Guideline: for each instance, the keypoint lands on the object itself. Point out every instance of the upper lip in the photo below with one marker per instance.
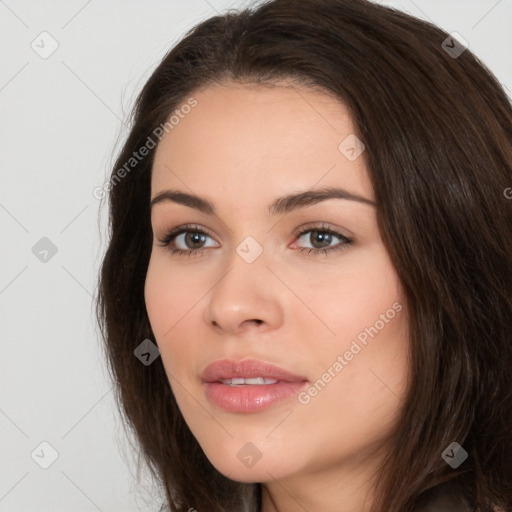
(248, 368)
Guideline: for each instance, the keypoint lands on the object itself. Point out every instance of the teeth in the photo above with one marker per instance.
(240, 381)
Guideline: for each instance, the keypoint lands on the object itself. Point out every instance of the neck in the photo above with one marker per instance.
(337, 490)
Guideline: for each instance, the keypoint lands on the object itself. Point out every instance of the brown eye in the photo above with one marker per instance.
(193, 239)
(185, 240)
(321, 240)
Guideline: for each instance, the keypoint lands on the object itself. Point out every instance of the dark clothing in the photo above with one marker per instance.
(448, 497)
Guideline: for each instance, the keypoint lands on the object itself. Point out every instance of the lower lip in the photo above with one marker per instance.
(251, 398)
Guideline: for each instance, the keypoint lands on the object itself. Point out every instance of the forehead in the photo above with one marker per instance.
(254, 138)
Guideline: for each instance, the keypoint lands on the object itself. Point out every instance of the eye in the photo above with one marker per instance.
(191, 238)
(321, 237)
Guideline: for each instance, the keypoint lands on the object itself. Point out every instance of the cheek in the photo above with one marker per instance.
(172, 301)
(169, 296)
(364, 398)
(367, 315)
(355, 297)
(165, 306)
(159, 297)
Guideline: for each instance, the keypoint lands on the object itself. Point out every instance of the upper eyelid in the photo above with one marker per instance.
(314, 225)
(299, 232)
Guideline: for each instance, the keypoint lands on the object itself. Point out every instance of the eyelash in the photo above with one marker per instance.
(175, 232)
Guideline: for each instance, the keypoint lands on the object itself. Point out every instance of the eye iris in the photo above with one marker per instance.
(321, 236)
(192, 238)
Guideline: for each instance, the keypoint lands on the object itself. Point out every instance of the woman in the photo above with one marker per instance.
(310, 220)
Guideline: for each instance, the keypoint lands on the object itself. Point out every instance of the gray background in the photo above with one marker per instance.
(62, 118)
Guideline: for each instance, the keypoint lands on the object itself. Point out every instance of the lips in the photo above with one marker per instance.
(249, 386)
(248, 369)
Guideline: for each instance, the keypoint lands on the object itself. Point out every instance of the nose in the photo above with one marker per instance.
(247, 297)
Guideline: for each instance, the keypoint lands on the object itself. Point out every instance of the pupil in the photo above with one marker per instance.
(322, 237)
(194, 238)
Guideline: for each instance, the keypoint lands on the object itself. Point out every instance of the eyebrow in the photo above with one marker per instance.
(281, 205)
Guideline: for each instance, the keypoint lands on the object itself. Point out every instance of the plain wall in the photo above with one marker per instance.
(62, 117)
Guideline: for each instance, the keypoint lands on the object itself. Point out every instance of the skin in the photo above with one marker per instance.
(242, 147)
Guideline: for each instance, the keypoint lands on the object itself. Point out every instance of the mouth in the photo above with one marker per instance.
(248, 371)
(249, 385)
(241, 381)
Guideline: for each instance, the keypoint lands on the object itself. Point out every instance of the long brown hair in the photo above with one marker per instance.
(437, 128)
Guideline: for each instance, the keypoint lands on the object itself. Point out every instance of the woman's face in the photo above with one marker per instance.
(326, 306)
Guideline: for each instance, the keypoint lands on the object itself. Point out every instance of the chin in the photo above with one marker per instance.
(247, 471)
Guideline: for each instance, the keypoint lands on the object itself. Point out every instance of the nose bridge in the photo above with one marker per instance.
(245, 271)
(250, 250)
(244, 291)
